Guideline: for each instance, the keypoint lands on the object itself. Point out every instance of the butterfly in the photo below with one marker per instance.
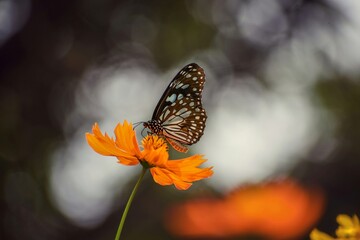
(179, 116)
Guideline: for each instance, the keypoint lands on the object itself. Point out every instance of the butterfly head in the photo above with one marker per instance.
(154, 126)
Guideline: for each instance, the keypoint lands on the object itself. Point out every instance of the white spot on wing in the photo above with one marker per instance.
(171, 98)
(185, 86)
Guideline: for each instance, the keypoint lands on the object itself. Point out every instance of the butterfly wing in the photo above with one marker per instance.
(180, 111)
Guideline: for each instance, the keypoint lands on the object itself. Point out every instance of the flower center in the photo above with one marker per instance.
(154, 142)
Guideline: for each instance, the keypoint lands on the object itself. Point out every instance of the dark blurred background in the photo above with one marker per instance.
(282, 96)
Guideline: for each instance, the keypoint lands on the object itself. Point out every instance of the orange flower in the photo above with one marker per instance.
(276, 210)
(154, 155)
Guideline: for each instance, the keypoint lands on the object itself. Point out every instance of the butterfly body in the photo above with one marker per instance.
(179, 116)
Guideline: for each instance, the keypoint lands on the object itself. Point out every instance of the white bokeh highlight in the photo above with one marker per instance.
(252, 135)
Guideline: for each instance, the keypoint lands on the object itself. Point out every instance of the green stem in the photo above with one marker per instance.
(128, 204)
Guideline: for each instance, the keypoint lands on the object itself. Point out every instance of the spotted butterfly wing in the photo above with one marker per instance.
(179, 116)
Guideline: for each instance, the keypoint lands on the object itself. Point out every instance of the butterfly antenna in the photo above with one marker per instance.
(137, 124)
(142, 132)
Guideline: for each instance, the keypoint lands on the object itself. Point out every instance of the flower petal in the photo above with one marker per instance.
(126, 138)
(345, 221)
(348, 227)
(105, 145)
(164, 177)
(155, 151)
(317, 235)
(180, 172)
(102, 144)
(187, 169)
(160, 176)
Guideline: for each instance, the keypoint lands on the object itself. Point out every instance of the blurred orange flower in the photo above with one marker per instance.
(349, 229)
(154, 155)
(277, 210)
